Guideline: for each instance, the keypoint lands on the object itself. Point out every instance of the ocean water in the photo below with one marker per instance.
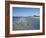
(26, 23)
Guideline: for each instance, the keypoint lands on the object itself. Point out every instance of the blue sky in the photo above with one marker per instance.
(21, 11)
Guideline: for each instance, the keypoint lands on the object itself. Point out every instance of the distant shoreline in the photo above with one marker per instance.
(35, 17)
(26, 16)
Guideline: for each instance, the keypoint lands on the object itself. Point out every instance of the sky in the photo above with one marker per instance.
(22, 11)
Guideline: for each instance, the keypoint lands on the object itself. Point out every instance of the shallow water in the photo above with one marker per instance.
(26, 23)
